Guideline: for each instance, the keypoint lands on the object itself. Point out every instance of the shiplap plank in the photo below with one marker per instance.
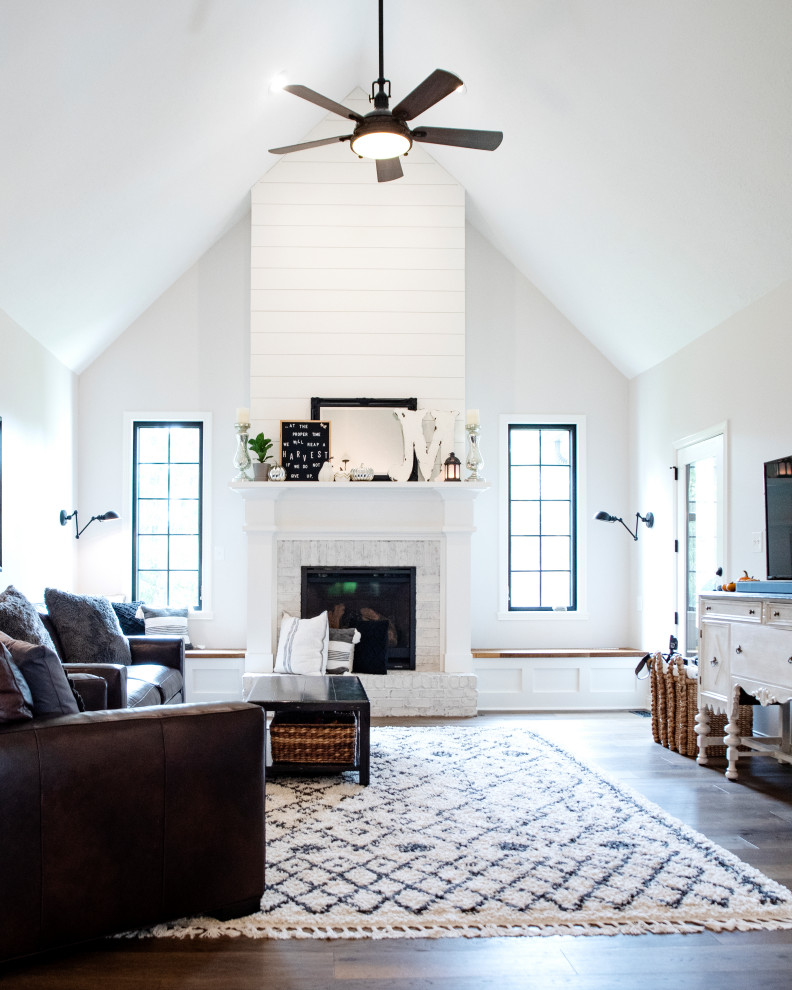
(304, 387)
(293, 169)
(366, 194)
(361, 366)
(352, 215)
(342, 279)
(357, 299)
(395, 259)
(357, 287)
(357, 237)
(417, 344)
(364, 321)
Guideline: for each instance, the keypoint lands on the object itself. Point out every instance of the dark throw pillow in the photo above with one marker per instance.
(16, 701)
(371, 653)
(130, 624)
(45, 676)
(87, 628)
(20, 620)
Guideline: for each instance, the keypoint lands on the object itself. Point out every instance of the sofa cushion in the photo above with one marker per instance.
(142, 693)
(165, 679)
(87, 628)
(45, 676)
(130, 624)
(16, 701)
(19, 619)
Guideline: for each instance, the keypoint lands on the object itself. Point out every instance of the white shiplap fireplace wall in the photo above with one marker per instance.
(358, 289)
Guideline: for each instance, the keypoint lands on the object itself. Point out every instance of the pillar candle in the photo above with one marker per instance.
(472, 418)
(242, 415)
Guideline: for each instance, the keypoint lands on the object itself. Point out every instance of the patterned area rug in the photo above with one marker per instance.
(482, 832)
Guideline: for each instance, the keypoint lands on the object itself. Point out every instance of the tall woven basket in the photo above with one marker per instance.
(675, 706)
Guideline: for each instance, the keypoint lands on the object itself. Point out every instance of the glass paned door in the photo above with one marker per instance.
(701, 543)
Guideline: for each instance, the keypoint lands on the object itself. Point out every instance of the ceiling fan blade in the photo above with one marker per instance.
(323, 101)
(308, 144)
(459, 137)
(433, 89)
(388, 169)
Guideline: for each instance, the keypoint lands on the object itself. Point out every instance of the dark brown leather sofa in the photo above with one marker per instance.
(154, 676)
(114, 820)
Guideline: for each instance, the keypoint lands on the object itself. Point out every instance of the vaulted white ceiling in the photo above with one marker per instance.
(643, 183)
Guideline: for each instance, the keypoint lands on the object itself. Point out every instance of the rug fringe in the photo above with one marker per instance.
(250, 927)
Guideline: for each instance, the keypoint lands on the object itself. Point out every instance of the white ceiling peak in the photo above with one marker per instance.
(642, 184)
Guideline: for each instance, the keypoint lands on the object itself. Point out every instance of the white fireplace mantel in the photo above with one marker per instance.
(351, 511)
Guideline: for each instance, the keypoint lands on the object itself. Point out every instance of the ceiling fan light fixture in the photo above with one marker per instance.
(384, 143)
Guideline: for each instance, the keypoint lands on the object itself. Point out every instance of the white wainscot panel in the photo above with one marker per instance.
(558, 683)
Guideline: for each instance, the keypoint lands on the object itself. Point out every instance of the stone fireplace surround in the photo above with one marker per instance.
(426, 525)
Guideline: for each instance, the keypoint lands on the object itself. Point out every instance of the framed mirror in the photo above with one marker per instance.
(364, 431)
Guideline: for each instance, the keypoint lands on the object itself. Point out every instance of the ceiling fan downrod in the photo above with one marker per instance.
(380, 98)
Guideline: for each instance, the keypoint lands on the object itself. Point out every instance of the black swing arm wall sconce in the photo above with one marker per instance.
(648, 519)
(65, 517)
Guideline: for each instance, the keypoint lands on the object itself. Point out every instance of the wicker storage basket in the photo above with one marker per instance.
(675, 706)
(313, 737)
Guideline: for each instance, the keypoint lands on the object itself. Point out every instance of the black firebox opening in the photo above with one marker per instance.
(356, 594)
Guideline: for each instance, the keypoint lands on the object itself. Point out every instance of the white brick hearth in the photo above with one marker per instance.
(424, 525)
(423, 555)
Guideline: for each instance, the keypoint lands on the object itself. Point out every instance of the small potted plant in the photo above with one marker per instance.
(260, 445)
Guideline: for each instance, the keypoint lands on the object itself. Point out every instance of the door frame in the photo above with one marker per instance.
(680, 597)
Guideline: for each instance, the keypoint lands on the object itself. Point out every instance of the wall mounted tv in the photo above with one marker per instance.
(778, 518)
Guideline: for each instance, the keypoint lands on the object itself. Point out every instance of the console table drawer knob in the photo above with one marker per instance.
(751, 611)
(738, 650)
(714, 661)
(776, 615)
(789, 659)
(708, 608)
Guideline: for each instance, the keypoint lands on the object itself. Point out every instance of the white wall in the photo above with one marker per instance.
(357, 287)
(38, 406)
(523, 356)
(187, 353)
(739, 373)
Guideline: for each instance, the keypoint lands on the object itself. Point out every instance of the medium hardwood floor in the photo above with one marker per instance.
(752, 817)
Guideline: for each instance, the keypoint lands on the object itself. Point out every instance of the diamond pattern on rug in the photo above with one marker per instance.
(471, 831)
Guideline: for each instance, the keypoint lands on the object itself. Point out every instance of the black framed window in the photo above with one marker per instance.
(542, 505)
(167, 513)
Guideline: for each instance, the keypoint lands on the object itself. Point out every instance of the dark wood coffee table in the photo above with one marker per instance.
(297, 693)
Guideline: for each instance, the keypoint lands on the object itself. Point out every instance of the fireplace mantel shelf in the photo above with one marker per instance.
(271, 491)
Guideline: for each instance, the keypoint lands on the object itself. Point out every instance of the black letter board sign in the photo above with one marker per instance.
(305, 446)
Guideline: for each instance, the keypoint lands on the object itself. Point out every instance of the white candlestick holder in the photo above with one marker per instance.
(242, 456)
(474, 461)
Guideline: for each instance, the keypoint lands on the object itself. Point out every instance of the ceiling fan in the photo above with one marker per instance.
(383, 134)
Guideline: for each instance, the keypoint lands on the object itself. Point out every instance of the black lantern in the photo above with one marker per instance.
(451, 468)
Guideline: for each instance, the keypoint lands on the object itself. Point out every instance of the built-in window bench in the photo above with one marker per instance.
(213, 675)
(559, 680)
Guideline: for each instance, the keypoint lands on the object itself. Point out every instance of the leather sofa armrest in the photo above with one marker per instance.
(91, 688)
(165, 805)
(167, 651)
(114, 673)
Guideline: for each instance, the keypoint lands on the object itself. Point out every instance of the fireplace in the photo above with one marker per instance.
(355, 594)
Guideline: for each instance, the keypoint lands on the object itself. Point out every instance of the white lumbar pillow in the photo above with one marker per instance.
(302, 645)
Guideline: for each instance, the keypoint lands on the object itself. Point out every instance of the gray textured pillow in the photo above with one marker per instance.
(16, 701)
(20, 620)
(87, 628)
(45, 676)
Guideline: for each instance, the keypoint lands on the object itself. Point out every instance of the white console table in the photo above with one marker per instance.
(745, 643)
